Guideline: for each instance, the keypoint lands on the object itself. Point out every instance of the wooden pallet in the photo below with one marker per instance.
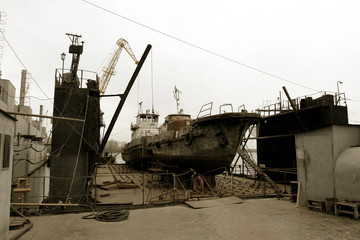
(347, 208)
(316, 205)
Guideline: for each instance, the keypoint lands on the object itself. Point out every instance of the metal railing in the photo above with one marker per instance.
(206, 109)
(82, 76)
(285, 105)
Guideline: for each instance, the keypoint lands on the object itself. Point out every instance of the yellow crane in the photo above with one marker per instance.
(109, 69)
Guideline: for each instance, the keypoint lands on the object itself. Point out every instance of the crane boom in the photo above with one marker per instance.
(109, 69)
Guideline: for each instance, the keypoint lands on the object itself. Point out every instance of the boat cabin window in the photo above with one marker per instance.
(148, 119)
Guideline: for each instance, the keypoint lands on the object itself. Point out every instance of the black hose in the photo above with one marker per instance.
(23, 231)
(109, 216)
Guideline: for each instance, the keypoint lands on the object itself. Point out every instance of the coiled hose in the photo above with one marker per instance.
(109, 216)
(29, 225)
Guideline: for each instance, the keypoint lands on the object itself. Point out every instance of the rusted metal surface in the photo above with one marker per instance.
(205, 144)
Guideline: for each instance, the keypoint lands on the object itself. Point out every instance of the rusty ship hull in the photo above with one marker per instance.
(207, 145)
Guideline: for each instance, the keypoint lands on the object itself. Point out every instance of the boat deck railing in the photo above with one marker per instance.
(282, 106)
(206, 109)
(82, 75)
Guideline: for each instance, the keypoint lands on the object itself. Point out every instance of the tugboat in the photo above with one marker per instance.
(206, 144)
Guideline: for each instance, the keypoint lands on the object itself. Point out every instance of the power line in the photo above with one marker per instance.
(40, 99)
(73, 128)
(18, 58)
(198, 47)
(354, 100)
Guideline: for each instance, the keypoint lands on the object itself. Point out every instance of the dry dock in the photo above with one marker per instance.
(143, 193)
(252, 219)
(118, 184)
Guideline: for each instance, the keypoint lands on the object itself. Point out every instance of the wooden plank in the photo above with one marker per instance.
(354, 209)
(112, 182)
(298, 196)
(316, 204)
(205, 203)
(113, 186)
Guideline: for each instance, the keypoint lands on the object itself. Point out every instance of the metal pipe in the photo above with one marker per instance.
(21, 190)
(112, 95)
(338, 92)
(44, 116)
(274, 136)
(122, 100)
(295, 109)
(143, 189)
(47, 204)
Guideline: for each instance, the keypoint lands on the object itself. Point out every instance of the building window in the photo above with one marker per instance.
(3, 95)
(6, 151)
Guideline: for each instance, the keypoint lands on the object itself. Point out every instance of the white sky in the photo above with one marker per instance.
(311, 43)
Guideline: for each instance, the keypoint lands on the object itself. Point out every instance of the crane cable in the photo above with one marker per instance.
(152, 84)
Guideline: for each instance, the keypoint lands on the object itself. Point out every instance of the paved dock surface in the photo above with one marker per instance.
(252, 219)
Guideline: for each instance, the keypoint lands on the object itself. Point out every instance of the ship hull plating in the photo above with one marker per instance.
(207, 145)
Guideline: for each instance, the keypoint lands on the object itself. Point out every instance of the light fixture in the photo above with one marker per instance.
(338, 92)
(63, 55)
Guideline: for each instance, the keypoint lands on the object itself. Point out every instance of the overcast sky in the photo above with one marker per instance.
(311, 44)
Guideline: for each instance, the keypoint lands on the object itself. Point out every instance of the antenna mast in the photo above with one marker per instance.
(177, 98)
(76, 50)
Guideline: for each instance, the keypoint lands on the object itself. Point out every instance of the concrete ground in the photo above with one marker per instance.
(253, 219)
(148, 184)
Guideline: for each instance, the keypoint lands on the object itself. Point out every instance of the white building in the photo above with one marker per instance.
(7, 127)
(23, 141)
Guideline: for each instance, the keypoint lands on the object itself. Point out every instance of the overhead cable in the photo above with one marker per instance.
(196, 46)
(18, 58)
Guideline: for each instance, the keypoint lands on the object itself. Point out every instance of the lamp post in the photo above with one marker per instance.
(63, 55)
(338, 92)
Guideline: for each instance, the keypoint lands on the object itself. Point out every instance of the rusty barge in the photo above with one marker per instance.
(206, 144)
